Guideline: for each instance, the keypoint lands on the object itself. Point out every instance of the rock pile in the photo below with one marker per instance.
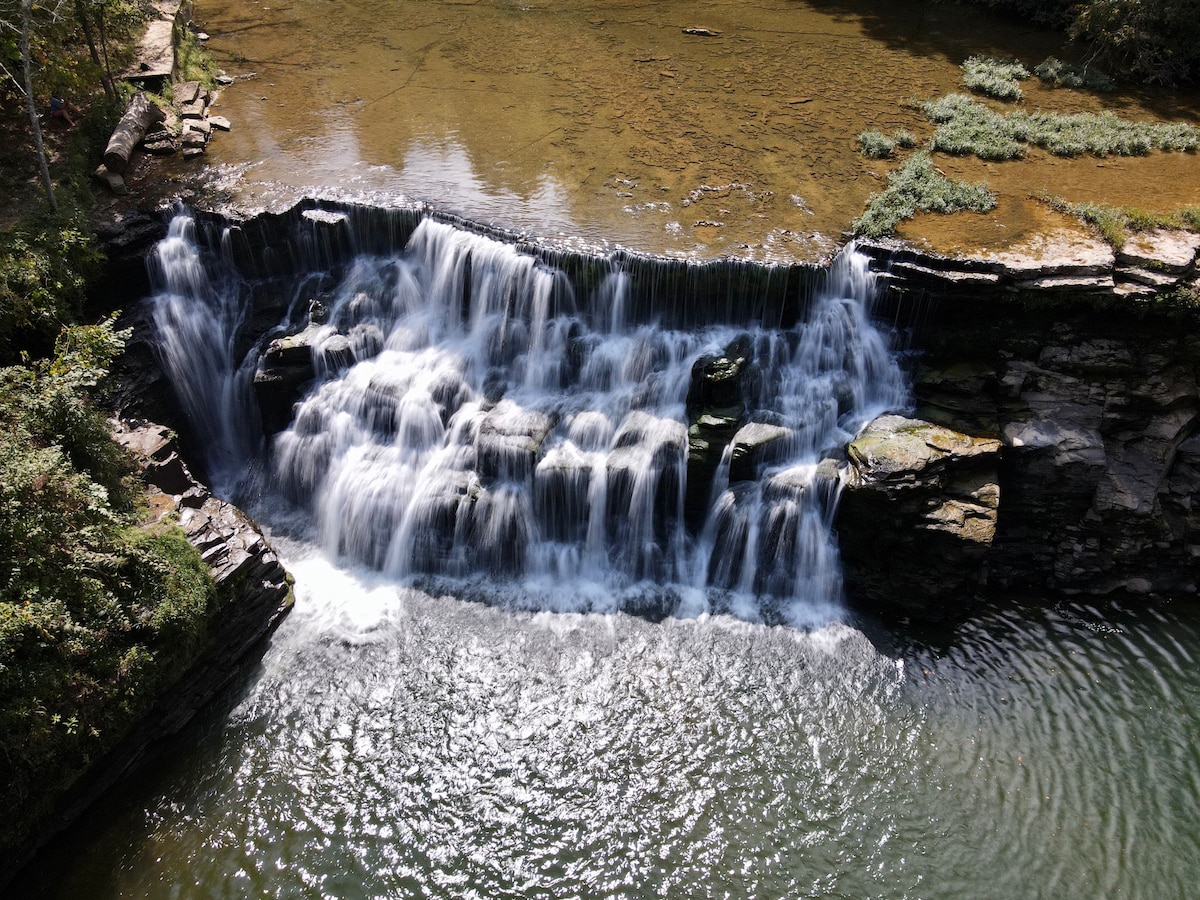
(189, 126)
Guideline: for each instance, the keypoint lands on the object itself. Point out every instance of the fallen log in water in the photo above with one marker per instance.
(129, 132)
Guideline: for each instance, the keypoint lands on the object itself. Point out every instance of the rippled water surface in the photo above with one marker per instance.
(395, 744)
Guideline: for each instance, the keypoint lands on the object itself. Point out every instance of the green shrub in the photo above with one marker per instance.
(45, 264)
(1061, 74)
(994, 77)
(905, 138)
(919, 187)
(966, 126)
(97, 616)
(876, 145)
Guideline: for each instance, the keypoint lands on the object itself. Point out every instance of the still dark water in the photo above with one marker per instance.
(396, 744)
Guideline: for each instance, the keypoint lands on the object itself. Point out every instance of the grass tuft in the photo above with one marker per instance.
(993, 77)
(966, 126)
(876, 145)
(1115, 223)
(919, 187)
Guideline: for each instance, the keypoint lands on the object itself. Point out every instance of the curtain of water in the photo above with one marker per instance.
(197, 314)
(493, 427)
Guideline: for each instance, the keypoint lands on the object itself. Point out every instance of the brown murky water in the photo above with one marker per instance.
(616, 123)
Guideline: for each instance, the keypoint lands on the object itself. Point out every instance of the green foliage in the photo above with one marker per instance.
(876, 145)
(1115, 223)
(45, 264)
(191, 59)
(919, 187)
(1061, 74)
(994, 77)
(966, 126)
(1157, 41)
(97, 616)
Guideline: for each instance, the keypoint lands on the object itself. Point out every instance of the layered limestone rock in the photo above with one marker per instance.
(918, 516)
(1098, 412)
(1055, 266)
(253, 590)
(716, 410)
(243, 564)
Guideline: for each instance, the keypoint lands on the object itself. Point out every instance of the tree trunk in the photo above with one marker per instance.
(129, 132)
(104, 47)
(81, 14)
(31, 102)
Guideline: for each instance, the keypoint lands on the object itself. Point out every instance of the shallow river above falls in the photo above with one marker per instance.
(395, 744)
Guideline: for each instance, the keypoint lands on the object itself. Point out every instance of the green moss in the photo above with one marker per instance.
(919, 187)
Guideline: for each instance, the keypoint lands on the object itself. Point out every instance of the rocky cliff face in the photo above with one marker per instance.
(255, 593)
(1092, 401)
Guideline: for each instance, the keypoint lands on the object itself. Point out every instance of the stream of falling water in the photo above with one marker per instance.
(397, 742)
(474, 419)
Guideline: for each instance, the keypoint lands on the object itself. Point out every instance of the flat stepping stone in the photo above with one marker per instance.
(193, 110)
(186, 92)
(1167, 251)
(219, 122)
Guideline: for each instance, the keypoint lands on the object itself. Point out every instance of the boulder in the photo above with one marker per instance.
(509, 442)
(918, 516)
(755, 445)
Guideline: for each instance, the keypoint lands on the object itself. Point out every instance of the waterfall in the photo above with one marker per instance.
(499, 429)
(197, 316)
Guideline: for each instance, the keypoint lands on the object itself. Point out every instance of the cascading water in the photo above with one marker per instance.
(490, 426)
(197, 311)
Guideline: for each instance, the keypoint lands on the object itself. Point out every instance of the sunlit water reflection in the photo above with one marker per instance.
(396, 744)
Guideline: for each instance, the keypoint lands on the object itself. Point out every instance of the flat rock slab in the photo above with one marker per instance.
(186, 92)
(155, 55)
(1166, 251)
(193, 110)
(897, 448)
(1056, 253)
(219, 122)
